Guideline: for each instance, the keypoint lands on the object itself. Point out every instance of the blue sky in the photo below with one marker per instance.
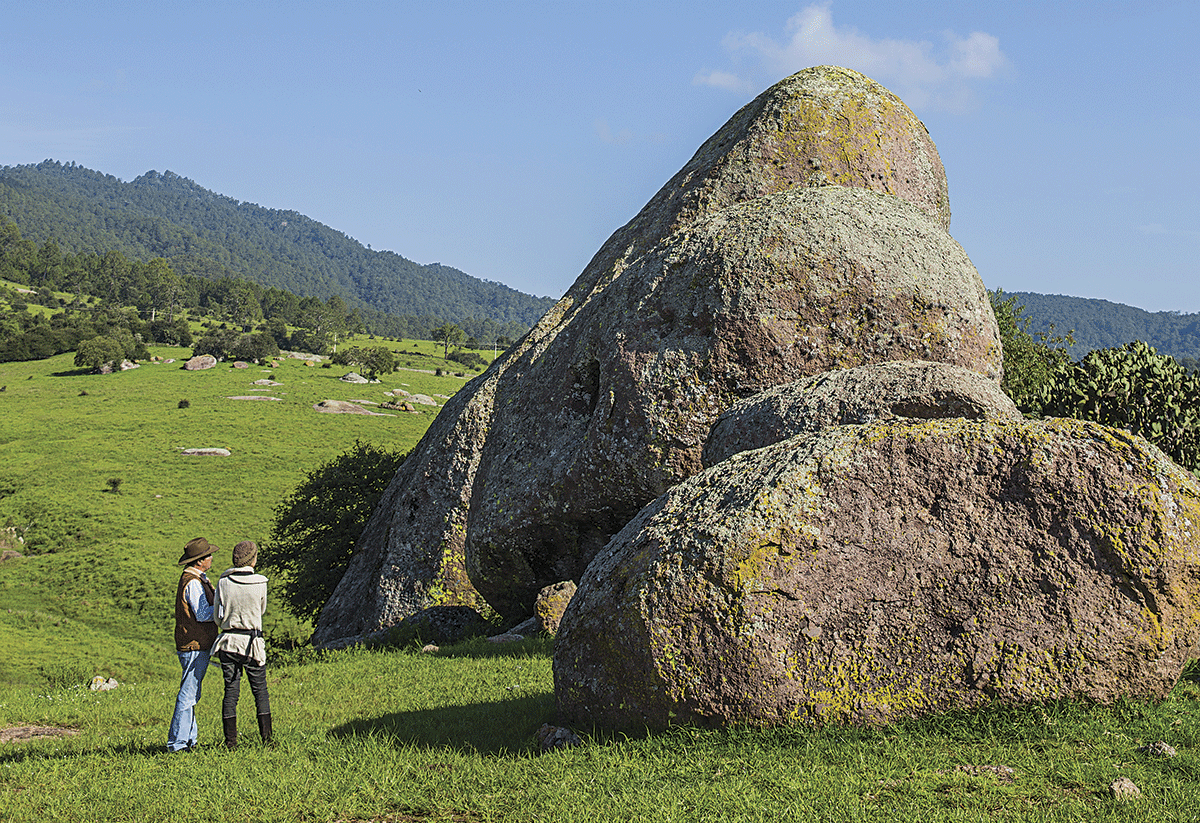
(510, 139)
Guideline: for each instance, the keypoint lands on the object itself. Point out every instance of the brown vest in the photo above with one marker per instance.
(190, 634)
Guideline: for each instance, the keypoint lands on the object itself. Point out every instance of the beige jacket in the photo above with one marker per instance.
(240, 604)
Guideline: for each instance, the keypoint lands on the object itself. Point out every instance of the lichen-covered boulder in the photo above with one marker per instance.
(821, 127)
(617, 408)
(872, 572)
(410, 554)
(915, 389)
(551, 602)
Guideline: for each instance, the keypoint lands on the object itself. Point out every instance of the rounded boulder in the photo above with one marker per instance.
(872, 572)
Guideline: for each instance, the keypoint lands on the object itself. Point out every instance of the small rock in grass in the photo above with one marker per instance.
(429, 648)
(507, 637)
(1158, 749)
(100, 684)
(1124, 789)
(556, 737)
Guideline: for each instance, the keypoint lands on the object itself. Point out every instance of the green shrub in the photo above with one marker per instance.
(470, 359)
(315, 529)
(99, 352)
(1029, 361)
(1134, 388)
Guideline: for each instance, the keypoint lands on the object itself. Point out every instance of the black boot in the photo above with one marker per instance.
(264, 729)
(230, 726)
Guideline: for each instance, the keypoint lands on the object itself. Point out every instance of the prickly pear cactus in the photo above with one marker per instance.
(1132, 387)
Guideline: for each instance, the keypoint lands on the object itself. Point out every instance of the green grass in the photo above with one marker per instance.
(397, 735)
(96, 585)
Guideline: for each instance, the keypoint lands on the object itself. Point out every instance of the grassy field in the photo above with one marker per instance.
(401, 736)
(93, 594)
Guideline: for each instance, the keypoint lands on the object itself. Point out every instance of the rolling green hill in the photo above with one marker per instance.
(1101, 324)
(200, 232)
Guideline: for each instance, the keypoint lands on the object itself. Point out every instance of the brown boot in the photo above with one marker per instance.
(264, 729)
(230, 726)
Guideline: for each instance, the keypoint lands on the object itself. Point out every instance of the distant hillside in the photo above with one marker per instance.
(203, 233)
(1101, 324)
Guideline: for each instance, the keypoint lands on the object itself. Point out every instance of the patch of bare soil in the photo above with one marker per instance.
(17, 734)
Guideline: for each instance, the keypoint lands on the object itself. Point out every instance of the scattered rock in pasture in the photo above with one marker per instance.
(404, 407)
(206, 452)
(109, 368)
(914, 389)
(1124, 789)
(200, 362)
(550, 738)
(429, 648)
(265, 382)
(20, 734)
(344, 407)
(10, 554)
(253, 397)
(551, 602)
(867, 573)
(506, 637)
(240, 364)
(422, 399)
(102, 684)
(354, 377)
(1159, 748)
(1004, 774)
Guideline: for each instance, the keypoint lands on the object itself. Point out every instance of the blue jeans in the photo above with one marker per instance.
(183, 732)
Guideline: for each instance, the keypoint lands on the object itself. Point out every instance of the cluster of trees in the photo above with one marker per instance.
(147, 303)
(373, 361)
(1131, 386)
(203, 235)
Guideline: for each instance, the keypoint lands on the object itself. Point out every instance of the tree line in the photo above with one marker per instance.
(205, 235)
(150, 299)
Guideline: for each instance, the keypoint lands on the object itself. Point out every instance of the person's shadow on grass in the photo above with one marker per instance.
(486, 728)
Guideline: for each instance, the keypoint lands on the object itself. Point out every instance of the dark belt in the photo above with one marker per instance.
(253, 633)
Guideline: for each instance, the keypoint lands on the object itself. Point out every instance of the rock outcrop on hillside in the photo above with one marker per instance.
(865, 573)
(807, 234)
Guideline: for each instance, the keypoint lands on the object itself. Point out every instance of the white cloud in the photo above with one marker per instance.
(922, 73)
(606, 134)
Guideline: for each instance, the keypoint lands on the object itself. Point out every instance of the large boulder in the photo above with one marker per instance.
(914, 389)
(822, 127)
(410, 555)
(871, 572)
(616, 409)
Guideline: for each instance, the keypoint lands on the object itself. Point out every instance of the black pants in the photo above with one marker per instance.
(231, 668)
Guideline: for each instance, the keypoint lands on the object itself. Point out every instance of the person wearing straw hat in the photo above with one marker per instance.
(241, 601)
(195, 633)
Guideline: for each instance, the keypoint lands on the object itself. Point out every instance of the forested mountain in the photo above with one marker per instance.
(205, 234)
(1101, 324)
